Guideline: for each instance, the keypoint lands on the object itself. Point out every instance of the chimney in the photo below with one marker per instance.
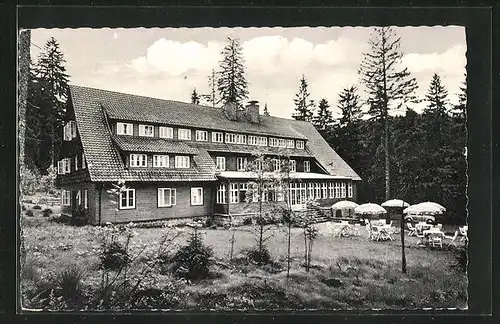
(230, 109)
(252, 111)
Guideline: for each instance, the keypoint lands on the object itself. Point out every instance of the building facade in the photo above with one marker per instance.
(183, 160)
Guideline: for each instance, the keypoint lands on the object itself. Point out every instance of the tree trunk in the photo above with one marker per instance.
(403, 256)
(289, 246)
(387, 160)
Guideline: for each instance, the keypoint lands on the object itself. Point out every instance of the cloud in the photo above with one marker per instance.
(451, 62)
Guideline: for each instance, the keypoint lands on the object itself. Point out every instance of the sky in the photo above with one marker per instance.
(168, 63)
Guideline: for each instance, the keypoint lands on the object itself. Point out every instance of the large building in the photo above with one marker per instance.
(184, 160)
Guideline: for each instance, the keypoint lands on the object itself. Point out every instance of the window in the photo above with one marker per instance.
(69, 131)
(342, 190)
(317, 191)
(84, 161)
(184, 134)
(196, 196)
(230, 138)
(201, 136)
(243, 192)
(252, 140)
(124, 129)
(217, 137)
(241, 163)
(297, 194)
(349, 190)
(258, 165)
(220, 163)
(307, 166)
(233, 193)
(310, 191)
(64, 166)
(182, 161)
(337, 190)
(86, 198)
(300, 144)
(330, 190)
(290, 143)
(146, 130)
(281, 142)
(66, 197)
(138, 160)
(324, 193)
(166, 132)
(76, 162)
(276, 165)
(78, 197)
(293, 166)
(160, 161)
(166, 197)
(241, 139)
(221, 194)
(262, 141)
(273, 141)
(127, 199)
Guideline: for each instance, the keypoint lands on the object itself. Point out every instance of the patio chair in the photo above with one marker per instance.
(356, 229)
(436, 240)
(453, 239)
(421, 238)
(412, 229)
(390, 231)
(369, 230)
(375, 234)
(337, 231)
(463, 232)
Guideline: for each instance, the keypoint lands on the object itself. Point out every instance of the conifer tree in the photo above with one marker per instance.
(350, 106)
(231, 83)
(324, 117)
(212, 97)
(389, 85)
(266, 112)
(195, 97)
(303, 105)
(437, 96)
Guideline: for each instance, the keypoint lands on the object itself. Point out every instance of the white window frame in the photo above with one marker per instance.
(230, 138)
(233, 193)
(180, 161)
(331, 193)
(342, 190)
(67, 165)
(76, 162)
(300, 145)
(307, 166)
(172, 197)
(324, 190)
(293, 166)
(201, 136)
(349, 189)
(78, 197)
(61, 167)
(337, 190)
(317, 190)
(241, 139)
(161, 161)
(241, 163)
(273, 142)
(262, 141)
(138, 160)
(220, 163)
(127, 192)
(281, 142)
(217, 137)
(186, 134)
(86, 198)
(276, 165)
(221, 194)
(66, 197)
(252, 140)
(84, 161)
(310, 191)
(166, 132)
(143, 132)
(122, 128)
(197, 196)
(290, 143)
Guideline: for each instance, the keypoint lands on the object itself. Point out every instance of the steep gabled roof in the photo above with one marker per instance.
(93, 106)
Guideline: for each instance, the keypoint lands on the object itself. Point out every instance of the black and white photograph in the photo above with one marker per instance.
(243, 168)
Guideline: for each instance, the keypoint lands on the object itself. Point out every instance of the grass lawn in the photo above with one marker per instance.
(347, 273)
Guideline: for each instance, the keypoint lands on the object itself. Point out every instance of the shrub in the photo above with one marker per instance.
(461, 258)
(248, 221)
(259, 256)
(29, 213)
(193, 260)
(29, 181)
(61, 219)
(114, 257)
(37, 207)
(23, 207)
(80, 216)
(69, 282)
(47, 212)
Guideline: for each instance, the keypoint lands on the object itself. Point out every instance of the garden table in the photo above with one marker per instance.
(431, 232)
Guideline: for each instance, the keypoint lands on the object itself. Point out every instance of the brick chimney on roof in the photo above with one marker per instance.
(230, 109)
(252, 111)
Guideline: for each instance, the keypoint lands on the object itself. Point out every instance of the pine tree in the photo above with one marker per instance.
(211, 98)
(231, 83)
(48, 95)
(303, 106)
(266, 112)
(349, 104)
(195, 97)
(437, 96)
(389, 86)
(324, 117)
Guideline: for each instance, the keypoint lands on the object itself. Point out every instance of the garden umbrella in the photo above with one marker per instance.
(344, 204)
(369, 209)
(395, 203)
(425, 208)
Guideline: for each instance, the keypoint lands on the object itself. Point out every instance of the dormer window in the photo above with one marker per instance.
(300, 144)
(217, 137)
(262, 141)
(273, 142)
(307, 166)
(281, 142)
(166, 132)
(69, 131)
(241, 139)
(146, 130)
(184, 134)
(124, 129)
(182, 161)
(201, 136)
(138, 160)
(160, 161)
(64, 166)
(230, 138)
(290, 143)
